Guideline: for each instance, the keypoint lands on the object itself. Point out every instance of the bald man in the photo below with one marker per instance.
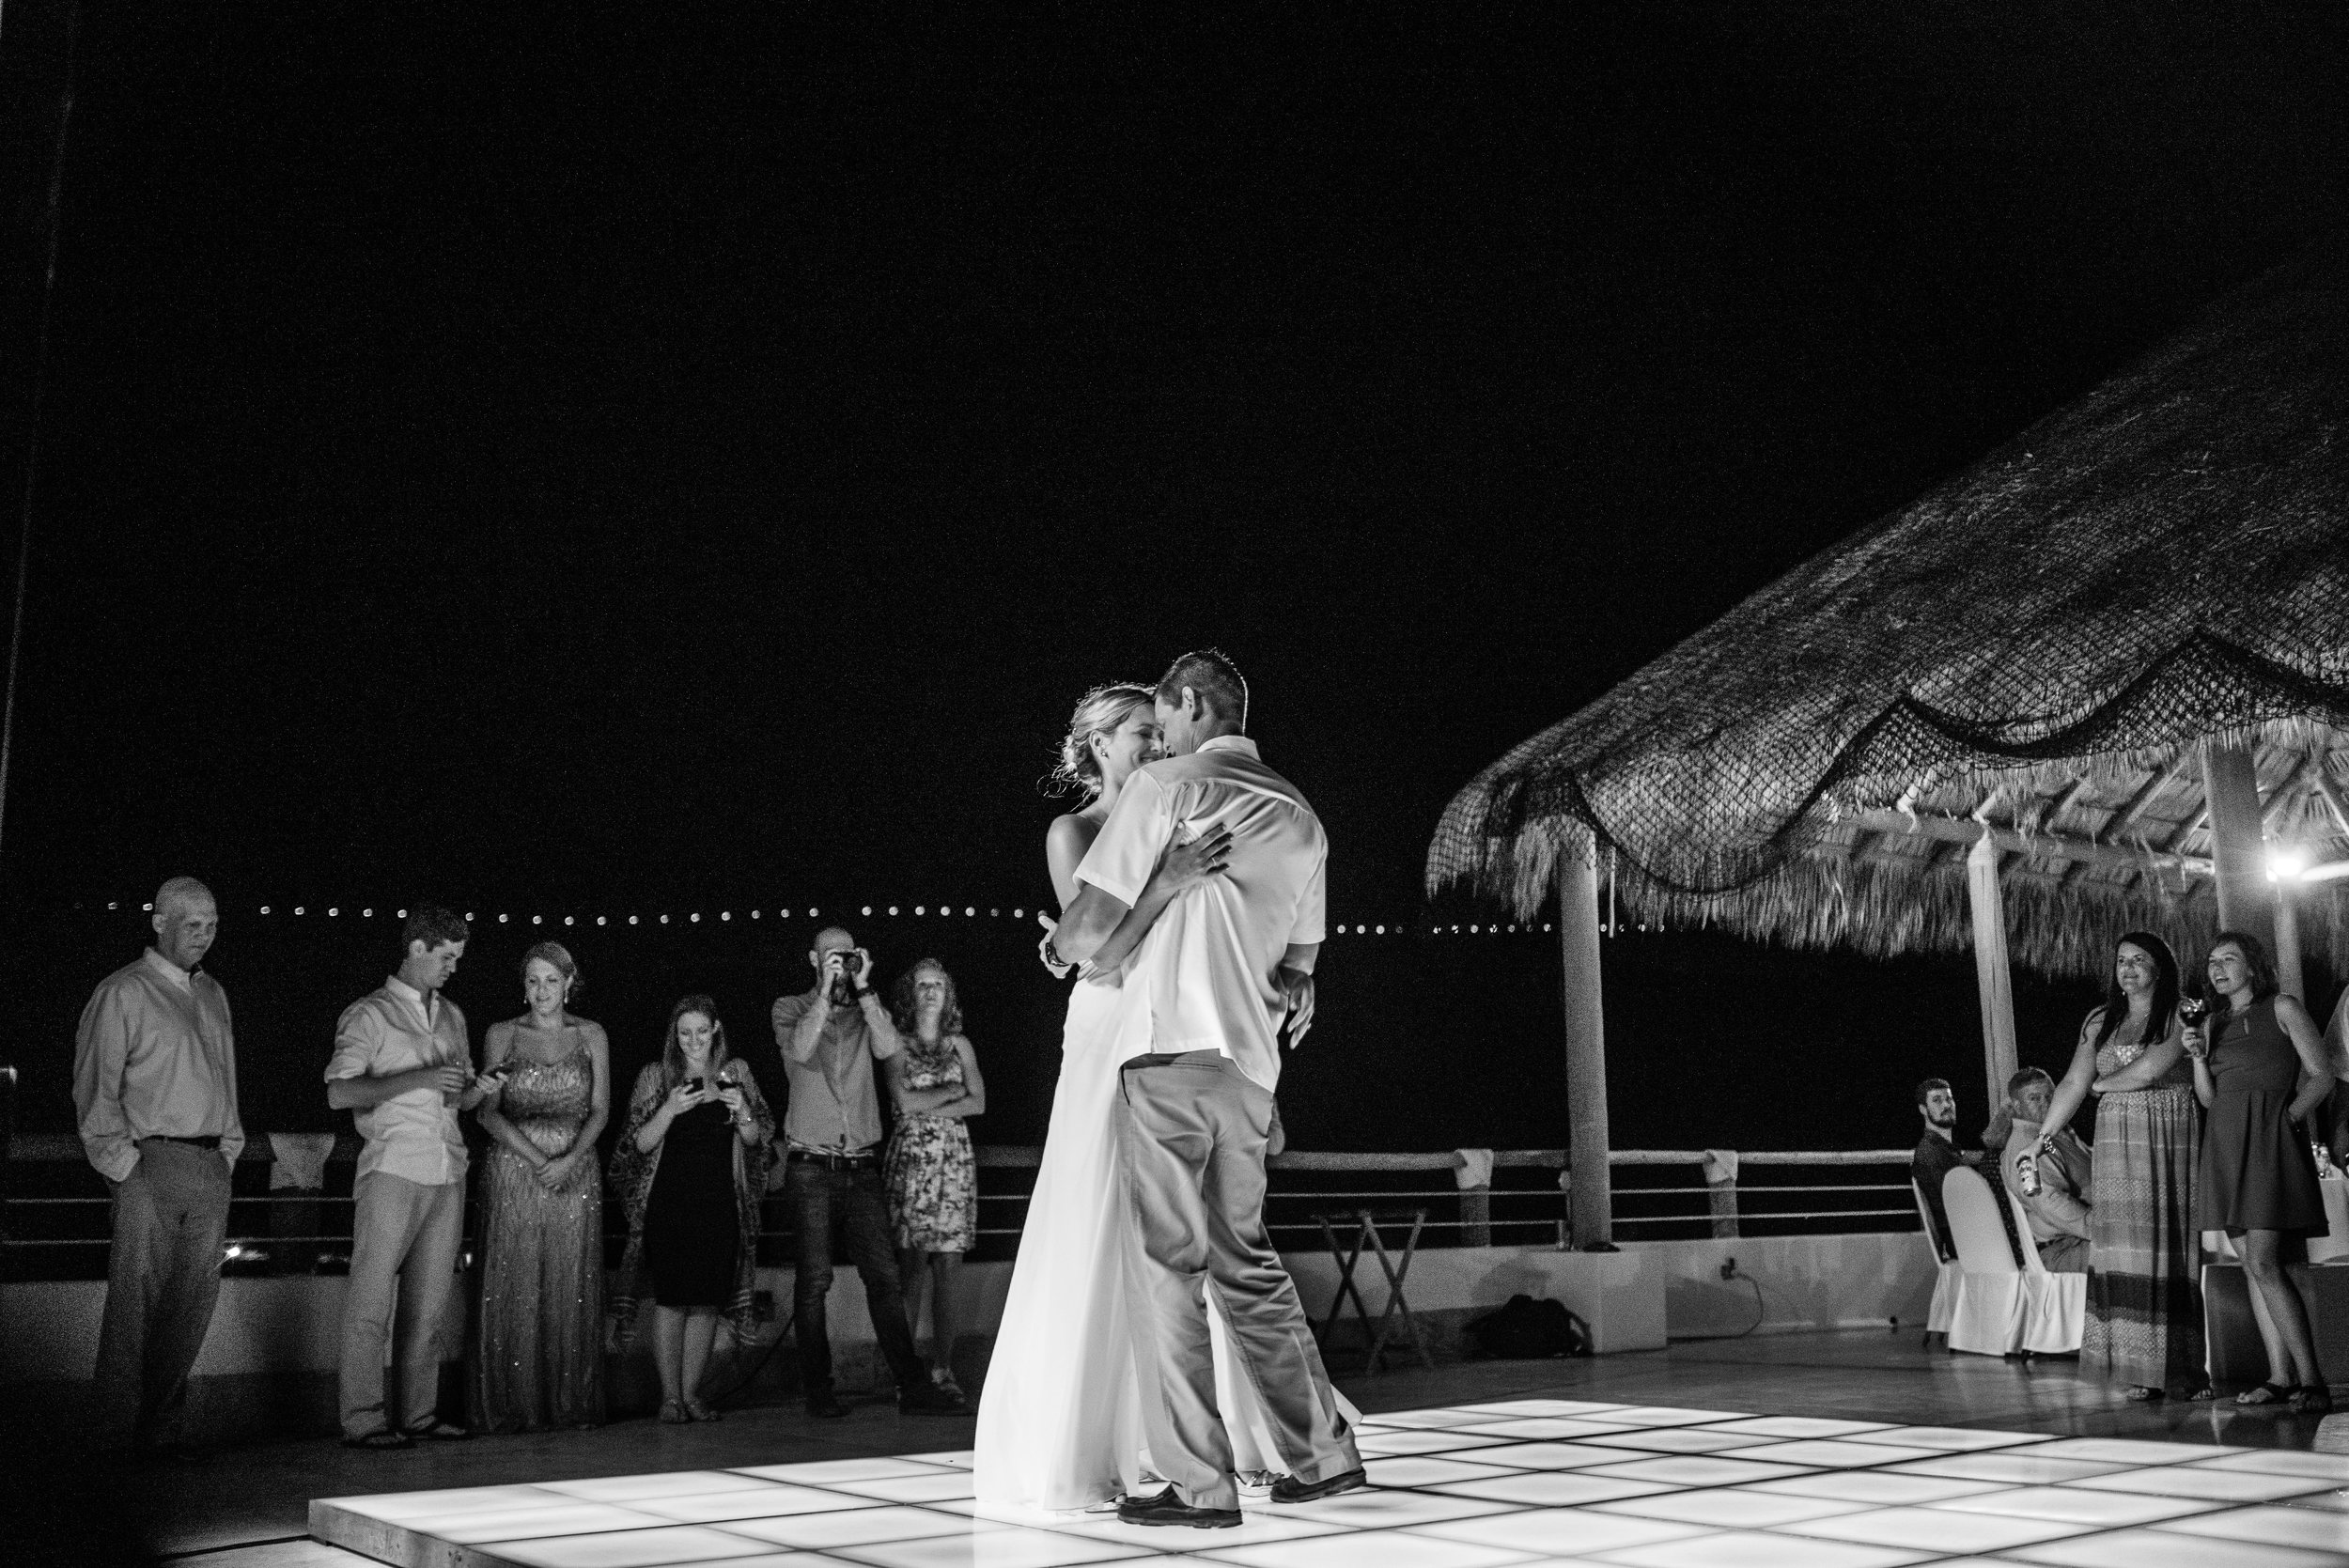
(155, 1090)
(829, 1037)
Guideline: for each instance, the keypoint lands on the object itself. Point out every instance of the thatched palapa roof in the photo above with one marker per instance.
(2039, 644)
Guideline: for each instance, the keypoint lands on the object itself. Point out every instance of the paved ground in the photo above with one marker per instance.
(248, 1508)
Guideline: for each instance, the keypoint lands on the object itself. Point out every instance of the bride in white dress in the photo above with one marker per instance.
(1059, 1427)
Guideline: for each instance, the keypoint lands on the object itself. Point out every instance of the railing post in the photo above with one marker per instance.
(1721, 1181)
(1476, 1217)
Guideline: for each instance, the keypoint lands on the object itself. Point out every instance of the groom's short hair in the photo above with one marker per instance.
(1217, 681)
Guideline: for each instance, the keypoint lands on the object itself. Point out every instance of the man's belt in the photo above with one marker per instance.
(208, 1140)
(867, 1161)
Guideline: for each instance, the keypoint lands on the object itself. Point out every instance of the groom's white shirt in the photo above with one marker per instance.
(1208, 970)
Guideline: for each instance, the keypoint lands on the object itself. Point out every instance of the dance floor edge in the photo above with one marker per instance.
(1677, 1504)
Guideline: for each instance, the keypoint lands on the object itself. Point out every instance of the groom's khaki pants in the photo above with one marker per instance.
(1192, 1137)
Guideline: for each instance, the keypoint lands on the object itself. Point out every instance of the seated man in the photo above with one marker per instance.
(1937, 1155)
(2058, 1215)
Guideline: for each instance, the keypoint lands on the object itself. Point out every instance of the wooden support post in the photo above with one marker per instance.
(2238, 846)
(1590, 1204)
(2288, 945)
(1476, 1217)
(1993, 981)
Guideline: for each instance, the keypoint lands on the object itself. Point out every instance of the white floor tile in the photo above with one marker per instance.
(1954, 1439)
(452, 1503)
(2195, 1481)
(860, 1527)
(1553, 1488)
(2336, 1501)
(934, 1486)
(1382, 1510)
(1676, 1439)
(1550, 1456)
(579, 1518)
(1367, 1551)
(1696, 1469)
(1423, 1471)
(2324, 1466)
(1544, 1407)
(757, 1502)
(2130, 1451)
(2154, 1548)
(1840, 1454)
(1753, 1549)
(1934, 1529)
(1730, 1508)
(828, 1472)
(1427, 1440)
(675, 1483)
(1550, 1427)
(1801, 1426)
(2278, 1527)
(1879, 1488)
(995, 1548)
(1558, 1531)
(2077, 1505)
(1256, 1525)
(960, 1458)
(2016, 1469)
(1672, 1415)
(632, 1548)
(1426, 1418)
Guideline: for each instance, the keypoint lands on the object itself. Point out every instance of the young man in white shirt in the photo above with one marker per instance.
(403, 1064)
(1225, 964)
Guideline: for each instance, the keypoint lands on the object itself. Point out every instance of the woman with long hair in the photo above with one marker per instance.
(689, 1168)
(541, 1348)
(1058, 1418)
(930, 1174)
(2144, 1324)
(2260, 1069)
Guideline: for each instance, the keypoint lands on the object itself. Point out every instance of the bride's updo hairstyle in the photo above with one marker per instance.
(1099, 711)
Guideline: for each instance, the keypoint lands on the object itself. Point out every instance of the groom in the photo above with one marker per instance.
(1221, 969)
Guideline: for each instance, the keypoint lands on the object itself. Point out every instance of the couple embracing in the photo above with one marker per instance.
(1151, 1338)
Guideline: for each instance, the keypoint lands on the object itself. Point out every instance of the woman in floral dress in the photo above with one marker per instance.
(933, 1181)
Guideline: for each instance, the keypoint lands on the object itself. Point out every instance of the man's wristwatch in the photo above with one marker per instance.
(863, 992)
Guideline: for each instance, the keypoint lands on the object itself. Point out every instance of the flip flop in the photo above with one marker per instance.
(2266, 1393)
(382, 1441)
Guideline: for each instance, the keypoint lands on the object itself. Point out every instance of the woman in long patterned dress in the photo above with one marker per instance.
(541, 1348)
(2260, 1069)
(2144, 1326)
(689, 1167)
(932, 1179)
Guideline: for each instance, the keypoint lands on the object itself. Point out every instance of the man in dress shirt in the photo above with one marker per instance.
(155, 1092)
(403, 1063)
(829, 1037)
(1225, 963)
(2058, 1215)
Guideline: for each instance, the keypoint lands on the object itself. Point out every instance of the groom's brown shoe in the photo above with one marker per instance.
(1168, 1509)
(1289, 1489)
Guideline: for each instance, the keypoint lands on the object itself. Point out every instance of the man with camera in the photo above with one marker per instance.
(829, 1037)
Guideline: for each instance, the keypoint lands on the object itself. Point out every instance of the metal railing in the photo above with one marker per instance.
(54, 1224)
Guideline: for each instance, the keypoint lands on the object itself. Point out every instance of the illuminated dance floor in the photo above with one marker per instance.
(1519, 1481)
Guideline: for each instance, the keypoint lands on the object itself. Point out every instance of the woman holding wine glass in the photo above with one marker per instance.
(2260, 1070)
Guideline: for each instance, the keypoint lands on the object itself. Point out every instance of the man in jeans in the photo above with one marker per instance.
(403, 1062)
(831, 1036)
(155, 1093)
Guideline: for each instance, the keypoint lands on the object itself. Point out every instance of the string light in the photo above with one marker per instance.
(147, 909)
(536, 920)
(567, 920)
(264, 908)
(332, 911)
(866, 911)
(725, 914)
(969, 911)
(664, 920)
(631, 920)
(919, 907)
(893, 908)
(598, 920)
(297, 909)
(501, 917)
(754, 914)
(366, 914)
(402, 914)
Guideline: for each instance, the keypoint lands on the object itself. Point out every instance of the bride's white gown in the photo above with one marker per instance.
(1059, 1424)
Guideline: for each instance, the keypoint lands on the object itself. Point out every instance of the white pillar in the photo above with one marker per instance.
(1993, 980)
(1590, 1194)
(2238, 846)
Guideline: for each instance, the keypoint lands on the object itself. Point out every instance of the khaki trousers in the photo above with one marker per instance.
(404, 1239)
(1192, 1130)
(162, 1277)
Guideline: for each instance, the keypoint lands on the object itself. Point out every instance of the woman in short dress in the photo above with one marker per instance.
(689, 1168)
(2144, 1323)
(2260, 1069)
(932, 1179)
(540, 1359)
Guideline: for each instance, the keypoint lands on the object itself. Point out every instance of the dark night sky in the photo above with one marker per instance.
(652, 456)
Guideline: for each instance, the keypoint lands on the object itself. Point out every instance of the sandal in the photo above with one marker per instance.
(696, 1410)
(2266, 1393)
(2312, 1399)
(2144, 1394)
(441, 1432)
(673, 1413)
(382, 1440)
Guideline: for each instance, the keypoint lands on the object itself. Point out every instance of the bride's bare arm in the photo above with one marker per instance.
(1065, 845)
(1179, 867)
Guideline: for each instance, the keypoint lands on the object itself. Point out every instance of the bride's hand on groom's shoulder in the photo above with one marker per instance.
(1183, 864)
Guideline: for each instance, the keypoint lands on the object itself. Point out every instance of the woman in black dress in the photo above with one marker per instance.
(2259, 1070)
(692, 1161)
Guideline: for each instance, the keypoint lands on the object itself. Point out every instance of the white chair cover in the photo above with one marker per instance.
(2055, 1309)
(1992, 1295)
(1944, 1305)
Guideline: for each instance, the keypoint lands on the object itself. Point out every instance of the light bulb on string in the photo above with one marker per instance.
(264, 908)
(893, 908)
(297, 909)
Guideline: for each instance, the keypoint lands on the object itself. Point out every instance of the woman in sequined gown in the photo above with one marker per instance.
(541, 1348)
